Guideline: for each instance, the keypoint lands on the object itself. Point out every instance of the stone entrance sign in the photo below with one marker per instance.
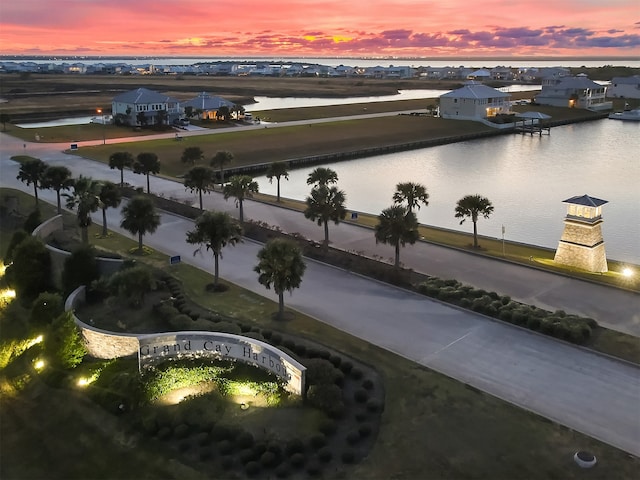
(155, 348)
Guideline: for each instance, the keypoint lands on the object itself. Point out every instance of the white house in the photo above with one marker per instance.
(574, 92)
(142, 107)
(624, 87)
(474, 101)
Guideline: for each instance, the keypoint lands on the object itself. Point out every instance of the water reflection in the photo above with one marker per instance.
(525, 177)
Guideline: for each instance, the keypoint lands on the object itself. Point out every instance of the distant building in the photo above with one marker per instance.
(144, 107)
(573, 92)
(624, 87)
(474, 101)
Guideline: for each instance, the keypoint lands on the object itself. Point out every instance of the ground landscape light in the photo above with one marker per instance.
(627, 272)
(38, 364)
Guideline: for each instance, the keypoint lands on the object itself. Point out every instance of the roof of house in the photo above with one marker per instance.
(204, 102)
(585, 200)
(576, 82)
(143, 96)
(634, 80)
(475, 90)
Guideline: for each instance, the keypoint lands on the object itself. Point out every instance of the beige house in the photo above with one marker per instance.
(474, 101)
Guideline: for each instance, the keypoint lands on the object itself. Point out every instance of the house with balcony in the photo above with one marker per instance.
(206, 106)
(573, 92)
(624, 87)
(474, 101)
(143, 107)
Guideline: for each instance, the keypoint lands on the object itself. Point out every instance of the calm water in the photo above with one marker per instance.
(526, 178)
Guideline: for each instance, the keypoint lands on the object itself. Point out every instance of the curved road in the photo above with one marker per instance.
(587, 392)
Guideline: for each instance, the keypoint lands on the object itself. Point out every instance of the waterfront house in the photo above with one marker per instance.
(143, 107)
(624, 87)
(207, 106)
(474, 101)
(573, 92)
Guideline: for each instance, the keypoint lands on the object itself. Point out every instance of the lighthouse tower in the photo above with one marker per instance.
(581, 244)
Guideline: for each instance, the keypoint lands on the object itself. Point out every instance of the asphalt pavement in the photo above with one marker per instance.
(587, 392)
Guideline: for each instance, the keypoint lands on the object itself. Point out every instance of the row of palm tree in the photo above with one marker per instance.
(86, 196)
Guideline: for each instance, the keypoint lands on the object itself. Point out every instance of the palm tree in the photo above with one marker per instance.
(110, 197)
(240, 187)
(161, 117)
(85, 197)
(281, 265)
(215, 230)
(199, 179)
(277, 170)
(31, 172)
(192, 155)
(57, 177)
(220, 159)
(120, 160)
(397, 226)
(224, 113)
(472, 206)
(146, 163)
(322, 176)
(412, 193)
(139, 217)
(324, 204)
(4, 119)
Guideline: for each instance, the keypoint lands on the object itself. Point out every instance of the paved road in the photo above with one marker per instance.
(589, 393)
(612, 308)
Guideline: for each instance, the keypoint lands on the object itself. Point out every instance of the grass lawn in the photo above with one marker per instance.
(433, 427)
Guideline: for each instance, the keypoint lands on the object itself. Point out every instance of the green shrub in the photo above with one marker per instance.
(373, 406)
(328, 427)
(506, 315)
(164, 433)
(353, 437)
(17, 238)
(30, 272)
(80, 268)
(346, 367)
(325, 397)
(465, 303)
(348, 456)
(298, 460)
(46, 308)
(181, 431)
(252, 468)
(33, 221)
(325, 455)
(321, 372)
(244, 440)
(65, 343)
(356, 374)
(361, 395)
(268, 459)
(181, 322)
(318, 441)
(282, 471)
(133, 284)
(365, 430)
(225, 447)
(533, 323)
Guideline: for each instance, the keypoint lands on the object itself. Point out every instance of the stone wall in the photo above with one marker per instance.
(101, 343)
(106, 266)
(582, 234)
(581, 246)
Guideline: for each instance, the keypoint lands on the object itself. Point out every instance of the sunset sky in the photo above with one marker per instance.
(321, 28)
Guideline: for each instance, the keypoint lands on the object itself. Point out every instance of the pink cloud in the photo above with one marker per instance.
(321, 27)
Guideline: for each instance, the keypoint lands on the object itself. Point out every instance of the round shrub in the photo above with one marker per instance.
(367, 384)
(183, 446)
(353, 437)
(181, 431)
(300, 349)
(465, 303)
(373, 406)
(360, 417)
(348, 457)
(361, 395)
(276, 339)
(244, 327)
(313, 469)
(164, 433)
(297, 460)
(225, 447)
(506, 299)
(364, 430)
(335, 360)
(266, 333)
(328, 427)
(228, 327)
(244, 440)
(288, 343)
(321, 372)
(227, 462)
(259, 448)
(324, 397)
(202, 438)
(346, 367)
(533, 323)
(282, 471)
(325, 455)
(356, 374)
(294, 446)
(318, 441)
(252, 468)
(246, 456)
(181, 322)
(220, 432)
(205, 454)
(337, 411)
(268, 459)
(506, 315)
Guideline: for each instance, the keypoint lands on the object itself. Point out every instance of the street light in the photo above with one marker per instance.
(104, 138)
